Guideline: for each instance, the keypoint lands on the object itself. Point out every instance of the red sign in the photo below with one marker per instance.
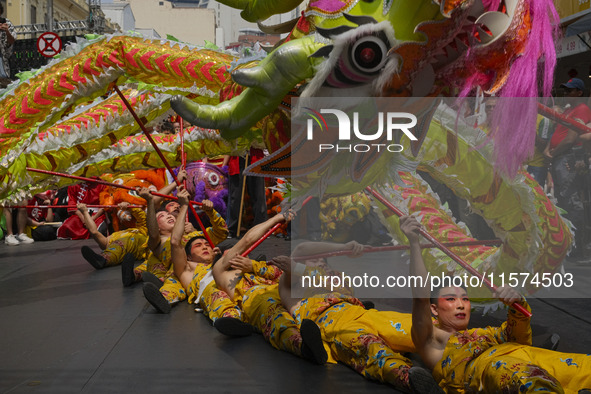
(49, 44)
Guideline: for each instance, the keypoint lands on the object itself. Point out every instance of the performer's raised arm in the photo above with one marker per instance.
(218, 231)
(429, 344)
(517, 328)
(169, 188)
(178, 255)
(223, 273)
(151, 222)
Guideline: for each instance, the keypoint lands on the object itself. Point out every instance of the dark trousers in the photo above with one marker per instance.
(255, 186)
(310, 214)
(568, 185)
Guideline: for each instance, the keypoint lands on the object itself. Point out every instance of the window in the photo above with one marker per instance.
(161, 3)
(33, 15)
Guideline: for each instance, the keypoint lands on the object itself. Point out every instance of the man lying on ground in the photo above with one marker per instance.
(162, 297)
(371, 342)
(115, 246)
(492, 359)
(193, 267)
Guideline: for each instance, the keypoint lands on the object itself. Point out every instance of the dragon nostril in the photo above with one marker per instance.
(367, 55)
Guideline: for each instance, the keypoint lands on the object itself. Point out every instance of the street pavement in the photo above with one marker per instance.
(69, 328)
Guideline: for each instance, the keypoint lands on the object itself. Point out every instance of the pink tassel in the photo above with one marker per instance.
(514, 119)
(491, 5)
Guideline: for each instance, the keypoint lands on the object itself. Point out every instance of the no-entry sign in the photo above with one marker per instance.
(49, 44)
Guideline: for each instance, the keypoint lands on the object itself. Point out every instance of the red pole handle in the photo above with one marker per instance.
(101, 182)
(548, 112)
(183, 156)
(168, 167)
(445, 250)
(268, 233)
(260, 241)
(69, 206)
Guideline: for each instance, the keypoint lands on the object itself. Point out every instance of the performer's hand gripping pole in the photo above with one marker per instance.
(445, 250)
(268, 233)
(168, 167)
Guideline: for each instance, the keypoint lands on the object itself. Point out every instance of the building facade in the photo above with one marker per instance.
(574, 47)
(64, 17)
(119, 12)
(30, 12)
(182, 20)
(231, 26)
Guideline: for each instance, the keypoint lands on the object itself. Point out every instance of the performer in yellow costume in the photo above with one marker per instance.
(369, 341)
(492, 359)
(215, 302)
(118, 244)
(172, 289)
(132, 240)
(192, 266)
(232, 272)
(159, 262)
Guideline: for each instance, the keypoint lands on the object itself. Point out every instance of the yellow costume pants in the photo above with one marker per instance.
(367, 341)
(216, 303)
(122, 242)
(264, 311)
(173, 290)
(521, 368)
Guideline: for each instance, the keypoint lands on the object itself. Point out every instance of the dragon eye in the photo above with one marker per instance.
(133, 193)
(213, 179)
(369, 54)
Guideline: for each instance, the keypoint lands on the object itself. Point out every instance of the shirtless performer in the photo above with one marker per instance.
(162, 296)
(492, 359)
(191, 268)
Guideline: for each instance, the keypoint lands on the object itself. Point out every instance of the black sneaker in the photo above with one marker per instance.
(421, 381)
(312, 346)
(127, 275)
(149, 277)
(233, 327)
(95, 259)
(155, 298)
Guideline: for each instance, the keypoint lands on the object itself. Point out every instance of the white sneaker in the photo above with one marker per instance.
(11, 240)
(23, 238)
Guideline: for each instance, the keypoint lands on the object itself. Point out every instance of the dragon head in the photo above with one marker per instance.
(388, 48)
